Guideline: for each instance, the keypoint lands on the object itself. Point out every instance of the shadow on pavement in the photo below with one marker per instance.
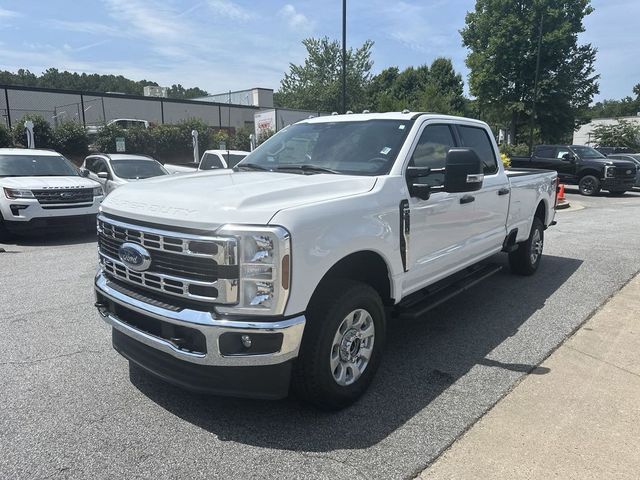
(422, 360)
(49, 238)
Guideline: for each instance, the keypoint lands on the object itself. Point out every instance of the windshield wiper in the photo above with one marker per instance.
(251, 166)
(307, 168)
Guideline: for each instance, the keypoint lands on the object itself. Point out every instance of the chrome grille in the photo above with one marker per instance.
(195, 267)
(54, 196)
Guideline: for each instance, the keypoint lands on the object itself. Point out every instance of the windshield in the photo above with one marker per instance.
(587, 152)
(36, 166)
(136, 169)
(357, 148)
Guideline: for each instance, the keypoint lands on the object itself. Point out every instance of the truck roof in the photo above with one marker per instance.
(29, 151)
(404, 115)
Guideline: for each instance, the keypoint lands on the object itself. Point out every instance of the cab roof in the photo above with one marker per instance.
(404, 115)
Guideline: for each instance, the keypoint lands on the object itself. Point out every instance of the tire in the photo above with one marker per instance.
(5, 234)
(345, 322)
(617, 192)
(589, 186)
(526, 259)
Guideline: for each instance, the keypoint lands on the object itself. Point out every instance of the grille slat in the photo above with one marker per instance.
(53, 196)
(174, 268)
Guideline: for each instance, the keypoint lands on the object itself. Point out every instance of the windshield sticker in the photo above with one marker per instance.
(385, 150)
(401, 127)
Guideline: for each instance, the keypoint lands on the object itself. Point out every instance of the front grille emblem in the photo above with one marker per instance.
(134, 256)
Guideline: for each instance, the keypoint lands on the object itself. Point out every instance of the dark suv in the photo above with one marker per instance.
(583, 166)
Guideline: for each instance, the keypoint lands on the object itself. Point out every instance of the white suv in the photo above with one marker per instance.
(41, 188)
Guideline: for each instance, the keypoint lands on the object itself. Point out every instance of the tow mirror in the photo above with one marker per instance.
(463, 171)
(569, 157)
(103, 175)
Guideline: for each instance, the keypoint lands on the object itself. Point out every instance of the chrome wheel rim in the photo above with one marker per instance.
(536, 246)
(352, 347)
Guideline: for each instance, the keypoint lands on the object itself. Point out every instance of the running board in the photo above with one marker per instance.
(421, 302)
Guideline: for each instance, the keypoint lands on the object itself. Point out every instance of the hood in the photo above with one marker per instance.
(209, 200)
(36, 183)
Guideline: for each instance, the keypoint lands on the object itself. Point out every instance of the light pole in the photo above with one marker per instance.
(344, 56)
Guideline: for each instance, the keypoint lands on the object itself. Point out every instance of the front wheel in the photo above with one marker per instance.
(526, 259)
(342, 345)
(589, 185)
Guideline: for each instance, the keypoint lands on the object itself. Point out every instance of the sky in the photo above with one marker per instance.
(222, 45)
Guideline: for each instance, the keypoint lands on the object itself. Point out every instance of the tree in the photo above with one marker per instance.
(502, 36)
(316, 85)
(178, 91)
(437, 88)
(625, 107)
(621, 134)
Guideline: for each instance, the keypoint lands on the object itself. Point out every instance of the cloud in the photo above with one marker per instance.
(230, 10)
(295, 19)
(157, 21)
(4, 13)
(94, 28)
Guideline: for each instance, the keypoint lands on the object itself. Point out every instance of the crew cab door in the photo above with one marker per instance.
(439, 226)
(565, 163)
(492, 201)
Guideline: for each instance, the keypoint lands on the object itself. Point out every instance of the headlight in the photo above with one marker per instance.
(18, 193)
(265, 269)
(97, 191)
(609, 171)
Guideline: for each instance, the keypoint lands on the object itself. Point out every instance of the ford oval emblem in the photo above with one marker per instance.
(628, 172)
(135, 257)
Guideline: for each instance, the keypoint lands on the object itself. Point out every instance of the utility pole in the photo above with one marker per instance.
(344, 56)
(535, 86)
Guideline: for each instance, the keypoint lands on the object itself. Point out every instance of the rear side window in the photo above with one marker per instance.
(431, 151)
(478, 140)
(211, 161)
(545, 152)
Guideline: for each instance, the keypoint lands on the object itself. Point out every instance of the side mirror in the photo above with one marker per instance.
(569, 157)
(463, 171)
(103, 175)
(83, 172)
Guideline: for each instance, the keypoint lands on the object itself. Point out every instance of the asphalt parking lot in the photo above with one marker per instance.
(70, 407)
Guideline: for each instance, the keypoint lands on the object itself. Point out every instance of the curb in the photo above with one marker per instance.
(562, 205)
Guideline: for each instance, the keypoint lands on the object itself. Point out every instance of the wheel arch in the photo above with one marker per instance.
(366, 266)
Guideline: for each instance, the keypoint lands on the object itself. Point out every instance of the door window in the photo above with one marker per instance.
(561, 152)
(544, 152)
(478, 140)
(431, 151)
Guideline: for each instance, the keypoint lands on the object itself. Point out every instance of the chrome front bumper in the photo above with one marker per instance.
(206, 323)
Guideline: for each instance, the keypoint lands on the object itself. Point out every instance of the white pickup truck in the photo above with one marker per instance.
(285, 271)
(210, 160)
(41, 188)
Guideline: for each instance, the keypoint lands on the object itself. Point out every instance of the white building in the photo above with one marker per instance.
(584, 135)
(254, 97)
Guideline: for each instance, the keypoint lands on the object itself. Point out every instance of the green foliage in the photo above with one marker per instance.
(53, 78)
(625, 107)
(241, 140)
(265, 135)
(5, 137)
(316, 85)
(519, 150)
(435, 89)
(623, 134)
(42, 132)
(502, 38)
(71, 139)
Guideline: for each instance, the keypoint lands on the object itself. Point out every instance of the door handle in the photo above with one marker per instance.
(504, 191)
(467, 199)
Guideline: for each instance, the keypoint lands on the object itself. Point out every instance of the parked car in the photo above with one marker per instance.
(284, 270)
(124, 123)
(583, 166)
(210, 160)
(632, 157)
(113, 170)
(40, 189)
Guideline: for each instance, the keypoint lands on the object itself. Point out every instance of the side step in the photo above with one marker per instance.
(421, 302)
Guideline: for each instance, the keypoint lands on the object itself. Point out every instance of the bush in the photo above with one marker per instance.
(5, 137)
(42, 132)
(519, 150)
(265, 135)
(71, 139)
(241, 140)
(137, 140)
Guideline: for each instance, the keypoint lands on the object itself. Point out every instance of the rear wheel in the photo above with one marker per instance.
(526, 259)
(589, 185)
(342, 345)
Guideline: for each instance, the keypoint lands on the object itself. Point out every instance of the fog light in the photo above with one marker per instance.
(246, 341)
(15, 209)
